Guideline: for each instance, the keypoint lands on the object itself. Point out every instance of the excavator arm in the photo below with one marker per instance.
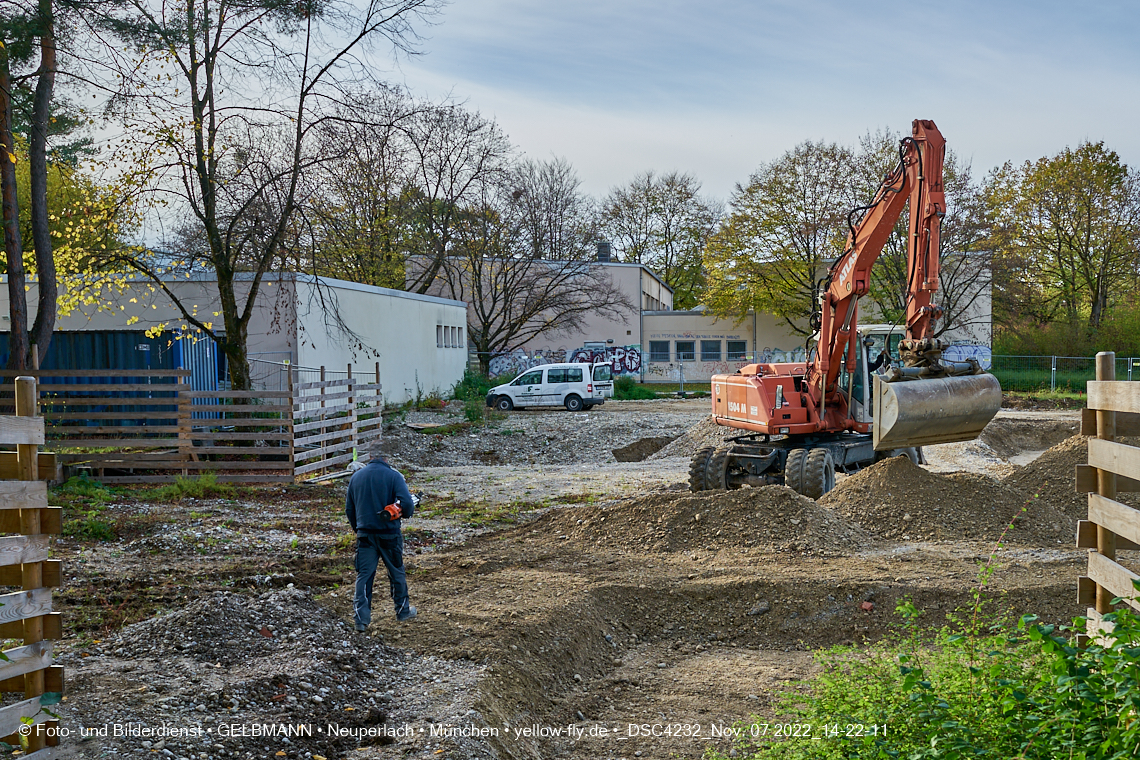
(947, 405)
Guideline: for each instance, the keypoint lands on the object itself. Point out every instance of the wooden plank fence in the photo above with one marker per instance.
(27, 613)
(149, 426)
(335, 420)
(1113, 409)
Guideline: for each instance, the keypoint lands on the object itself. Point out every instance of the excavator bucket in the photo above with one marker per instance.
(928, 411)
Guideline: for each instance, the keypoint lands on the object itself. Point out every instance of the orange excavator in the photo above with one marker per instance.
(800, 422)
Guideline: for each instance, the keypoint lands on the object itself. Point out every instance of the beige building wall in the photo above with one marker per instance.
(764, 338)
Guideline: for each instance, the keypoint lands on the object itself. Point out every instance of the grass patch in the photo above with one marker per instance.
(86, 491)
(204, 486)
(482, 513)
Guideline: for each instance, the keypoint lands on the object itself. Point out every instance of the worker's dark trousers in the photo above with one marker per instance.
(370, 549)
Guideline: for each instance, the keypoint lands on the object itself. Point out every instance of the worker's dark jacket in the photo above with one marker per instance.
(369, 491)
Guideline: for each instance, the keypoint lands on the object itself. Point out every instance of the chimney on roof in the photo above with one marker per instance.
(604, 251)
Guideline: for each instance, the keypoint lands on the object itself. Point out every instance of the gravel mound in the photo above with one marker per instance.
(278, 657)
(704, 433)
(1009, 436)
(772, 518)
(897, 499)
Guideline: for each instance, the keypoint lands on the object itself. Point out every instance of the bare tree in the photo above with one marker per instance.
(233, 79)
(664, 223)
(523, 260)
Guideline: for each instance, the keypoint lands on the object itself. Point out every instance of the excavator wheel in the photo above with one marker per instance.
(819, 473)
(697, 468)
(794, 469)
(716, 470)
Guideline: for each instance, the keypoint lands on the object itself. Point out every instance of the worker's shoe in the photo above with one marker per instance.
(361, 628)
(411, 613)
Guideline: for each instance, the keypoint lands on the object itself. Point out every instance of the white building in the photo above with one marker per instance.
(298, 321)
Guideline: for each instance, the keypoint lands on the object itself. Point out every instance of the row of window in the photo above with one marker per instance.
(449, 337)
(686, 350)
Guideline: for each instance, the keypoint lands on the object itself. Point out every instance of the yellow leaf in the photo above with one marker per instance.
(12, 157)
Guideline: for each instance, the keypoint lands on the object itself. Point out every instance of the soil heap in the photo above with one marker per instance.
(704, 433)
(897, 499)
(1053, 476)
(772, 518)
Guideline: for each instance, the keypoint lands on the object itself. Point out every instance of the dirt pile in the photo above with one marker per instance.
(772, 518)
(899, 500)
(642, 449)
(1053, 476)
(704, 433)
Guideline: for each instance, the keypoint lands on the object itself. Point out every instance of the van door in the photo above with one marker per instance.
(575, 383)
(526, 389)
(555, 388)
(603, 381)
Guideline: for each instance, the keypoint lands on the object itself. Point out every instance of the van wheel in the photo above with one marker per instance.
(573, 403)
(504, 404)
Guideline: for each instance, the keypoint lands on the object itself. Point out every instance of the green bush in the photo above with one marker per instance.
(474, 410)
(83, 489)
(627, 389)
(474, 385)
(204, 486)
(979, 689)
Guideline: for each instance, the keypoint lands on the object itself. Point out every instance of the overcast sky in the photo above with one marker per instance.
(718, 86)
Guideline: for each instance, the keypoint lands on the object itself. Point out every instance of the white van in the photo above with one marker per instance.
(568, 385)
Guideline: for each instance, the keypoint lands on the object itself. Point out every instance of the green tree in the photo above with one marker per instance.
(665, 223)
(1066, 233)
(780, 232)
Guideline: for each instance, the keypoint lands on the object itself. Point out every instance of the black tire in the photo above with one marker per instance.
(504, 404)
(716, 471)
(912, 453)
(697, 467)
(573, 403)
(794, 470)
(819, 473)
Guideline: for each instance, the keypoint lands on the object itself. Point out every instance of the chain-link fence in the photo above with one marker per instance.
(1055, 373)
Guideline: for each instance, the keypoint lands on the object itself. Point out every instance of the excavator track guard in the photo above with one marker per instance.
(933, 410)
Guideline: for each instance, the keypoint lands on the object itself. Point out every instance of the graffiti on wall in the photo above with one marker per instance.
(623, 360)
(960, 352)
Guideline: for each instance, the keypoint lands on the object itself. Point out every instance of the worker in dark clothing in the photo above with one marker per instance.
(378, 499)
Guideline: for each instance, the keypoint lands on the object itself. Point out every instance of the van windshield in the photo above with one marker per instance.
(602, 373)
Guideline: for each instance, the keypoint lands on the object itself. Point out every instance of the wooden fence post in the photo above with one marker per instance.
(32, 573)
(1105, 480)
(352, 414)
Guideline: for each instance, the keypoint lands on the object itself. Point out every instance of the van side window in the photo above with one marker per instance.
(573, 375)
(603, 373)
(530, 378)
(555, 376)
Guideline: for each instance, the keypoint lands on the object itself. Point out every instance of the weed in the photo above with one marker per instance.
(204, 486)
(83, 490)
(89, 528)
(473, 386)
(626, 389)
(474, 410)
(433, 401)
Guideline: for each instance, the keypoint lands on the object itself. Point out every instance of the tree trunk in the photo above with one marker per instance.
(37, 165)
(13, 250)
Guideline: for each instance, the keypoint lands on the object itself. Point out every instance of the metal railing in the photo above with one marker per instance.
(1055, 373)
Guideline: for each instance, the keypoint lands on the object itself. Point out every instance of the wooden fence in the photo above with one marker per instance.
(1113, 410)
(26, 614)
(148, 426)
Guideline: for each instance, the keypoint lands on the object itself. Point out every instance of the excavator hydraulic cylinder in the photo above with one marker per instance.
(933, 410)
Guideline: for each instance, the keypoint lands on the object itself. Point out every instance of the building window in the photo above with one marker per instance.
(710, 350)
(659, 351)
(737, 350)
(686, 351)
(439, 336)
(461, 344)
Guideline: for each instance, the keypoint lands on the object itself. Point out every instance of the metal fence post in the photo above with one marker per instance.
(1053, 375)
